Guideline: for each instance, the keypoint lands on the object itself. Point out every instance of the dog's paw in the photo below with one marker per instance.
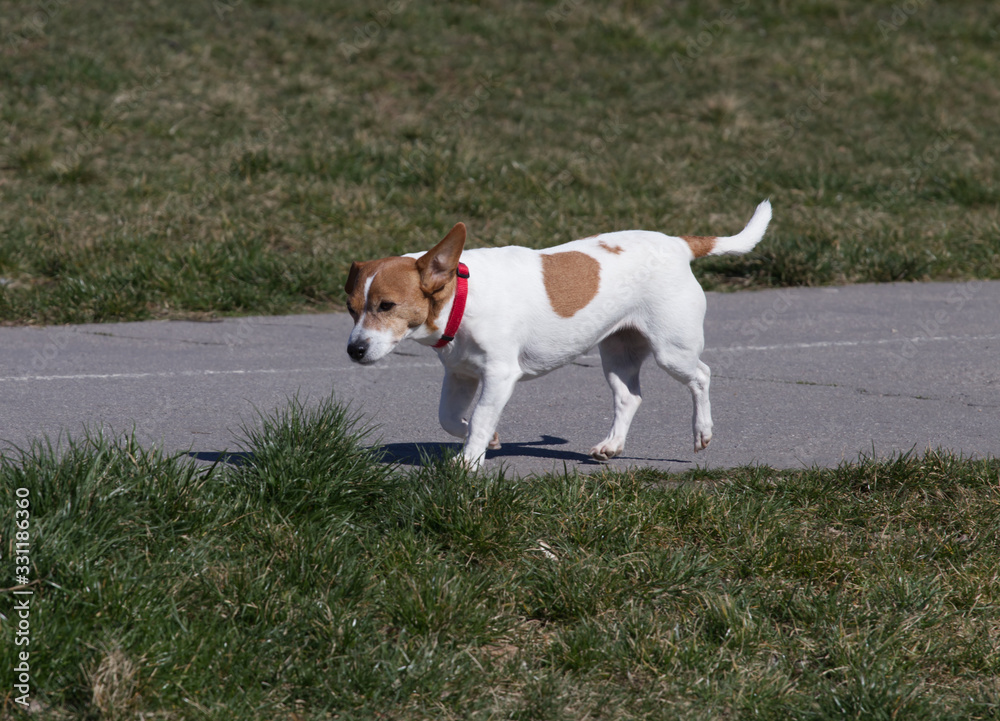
(701, 440)
(494, 445)
(469, 464)
(606, 450)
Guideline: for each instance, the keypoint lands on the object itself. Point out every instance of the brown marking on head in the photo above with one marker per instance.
(394, 301)
(572, 279)
(405, 292)
(701, 245)
(439, 265)
(615, 249)
(352, 277)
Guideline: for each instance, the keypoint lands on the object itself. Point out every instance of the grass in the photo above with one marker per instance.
(313, 581)
(191, 158)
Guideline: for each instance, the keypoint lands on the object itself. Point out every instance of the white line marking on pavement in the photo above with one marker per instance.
(344, 369)
(190, 374)
(852, 343)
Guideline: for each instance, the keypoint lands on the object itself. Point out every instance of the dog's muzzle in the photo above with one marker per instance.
(357, 350)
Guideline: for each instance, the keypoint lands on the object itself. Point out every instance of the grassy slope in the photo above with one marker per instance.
(169, 159)
(313, 580)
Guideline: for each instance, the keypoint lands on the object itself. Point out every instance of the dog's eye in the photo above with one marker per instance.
(385, 306)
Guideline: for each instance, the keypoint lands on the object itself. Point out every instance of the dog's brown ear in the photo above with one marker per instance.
(438, 265)
(352, 277)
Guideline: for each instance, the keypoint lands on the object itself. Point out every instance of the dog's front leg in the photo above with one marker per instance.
(498, 385)
(457, 393)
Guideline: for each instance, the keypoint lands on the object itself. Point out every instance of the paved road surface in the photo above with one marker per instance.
(800, 377)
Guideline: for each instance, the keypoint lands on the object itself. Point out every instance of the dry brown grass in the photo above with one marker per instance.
(114, 684)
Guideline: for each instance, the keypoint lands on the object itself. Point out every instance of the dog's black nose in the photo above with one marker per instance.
(357, 350)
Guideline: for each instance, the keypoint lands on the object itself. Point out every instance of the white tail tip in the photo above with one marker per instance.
(746, 239)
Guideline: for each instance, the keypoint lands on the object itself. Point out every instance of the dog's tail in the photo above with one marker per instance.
(738, 244)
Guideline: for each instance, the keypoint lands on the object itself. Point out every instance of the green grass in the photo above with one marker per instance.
(233, 156)
(314, 582)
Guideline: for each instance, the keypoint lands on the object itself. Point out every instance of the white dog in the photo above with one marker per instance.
(500, 315)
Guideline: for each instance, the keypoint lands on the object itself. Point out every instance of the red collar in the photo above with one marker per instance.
(457, 307)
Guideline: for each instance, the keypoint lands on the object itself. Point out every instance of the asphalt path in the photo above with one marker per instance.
(801, 377)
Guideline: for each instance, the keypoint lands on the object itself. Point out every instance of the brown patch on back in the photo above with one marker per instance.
(571, 280)
(701, 245)
(615, 249)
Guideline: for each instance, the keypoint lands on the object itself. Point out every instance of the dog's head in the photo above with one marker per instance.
(400, 297)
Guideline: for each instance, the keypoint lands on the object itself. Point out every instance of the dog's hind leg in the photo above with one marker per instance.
(683, 364)
(622, 354)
